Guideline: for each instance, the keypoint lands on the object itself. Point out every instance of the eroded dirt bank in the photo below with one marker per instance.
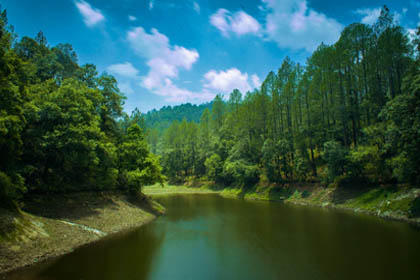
(53, 225)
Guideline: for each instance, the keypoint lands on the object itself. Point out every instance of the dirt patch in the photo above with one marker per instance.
(54, 225)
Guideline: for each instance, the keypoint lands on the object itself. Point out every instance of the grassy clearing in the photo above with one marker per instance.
(166, 189)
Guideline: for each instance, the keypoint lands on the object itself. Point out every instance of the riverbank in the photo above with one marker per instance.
(53, 225)
(158, 190)
(400, 203)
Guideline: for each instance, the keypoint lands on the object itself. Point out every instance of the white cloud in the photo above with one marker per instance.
(411, 33)
(126, 88)
(239, 23)
(132, 18)
(256, 81)
(369, 15)
(220, 21)
(196, 7)
(164, 61)
(397, 17)
(91, 16)
(227, 81)
(291, 24)
(173, 93)
(151, 4)
(123, 69)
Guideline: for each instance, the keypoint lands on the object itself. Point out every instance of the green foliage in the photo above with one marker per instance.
(12, 120)
(139, 166)
(302, 168)
(241, 173)
(323, 118)
(352, 112)
(11, 187)
(214, 167)
(161, 119)
(365, 161)
(414, 211)
(58, 124)
(335, 155)
(402, 115)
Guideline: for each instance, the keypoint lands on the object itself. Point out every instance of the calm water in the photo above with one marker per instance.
(209, 237)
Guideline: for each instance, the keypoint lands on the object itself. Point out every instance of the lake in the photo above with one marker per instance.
(210, 237)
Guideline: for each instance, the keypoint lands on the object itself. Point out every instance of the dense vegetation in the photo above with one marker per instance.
(162, 119)
(157, 121)
(350, 116)
(62, 127)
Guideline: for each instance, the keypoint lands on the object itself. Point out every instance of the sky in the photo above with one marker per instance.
(168, 52)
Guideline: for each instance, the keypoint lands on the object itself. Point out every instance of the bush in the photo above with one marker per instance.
(214, 167)
(302, 168)
(350, 180)
(335, 155)
(414, 211)
(365, 161)
(11, 188)
(241, 173)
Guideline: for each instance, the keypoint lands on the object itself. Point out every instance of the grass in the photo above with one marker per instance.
(402, 202)
(166, 189)
(386, 200)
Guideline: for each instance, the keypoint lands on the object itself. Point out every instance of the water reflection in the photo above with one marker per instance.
(209, 237)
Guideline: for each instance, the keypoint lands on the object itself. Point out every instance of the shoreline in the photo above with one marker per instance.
(389, 208)
(381, 202)
(75, 220)
(55, 225)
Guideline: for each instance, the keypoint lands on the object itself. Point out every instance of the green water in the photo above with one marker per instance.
(210, 237)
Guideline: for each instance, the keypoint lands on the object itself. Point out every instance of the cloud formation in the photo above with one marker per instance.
(132, 18)
(239, 23)
(164, 62)
(369, 15)
(227, 81)
(123, 69)
(125, 87)
(289, 23)
(196, 7)
(292, 24)
(91, 16)
(256, 81)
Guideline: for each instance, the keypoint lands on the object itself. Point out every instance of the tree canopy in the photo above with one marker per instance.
(351, 114)
(62, 125)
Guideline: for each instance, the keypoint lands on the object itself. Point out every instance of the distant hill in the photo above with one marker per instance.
(161, 119)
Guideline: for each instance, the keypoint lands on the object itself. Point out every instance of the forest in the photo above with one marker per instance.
(349, 116)
(62, 125)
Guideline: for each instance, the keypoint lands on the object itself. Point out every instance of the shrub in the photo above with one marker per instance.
(414, 211)
(335, 155)
(241, 172)
(214, 167)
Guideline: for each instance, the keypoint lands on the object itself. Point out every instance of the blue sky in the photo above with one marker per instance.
(167, 52)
